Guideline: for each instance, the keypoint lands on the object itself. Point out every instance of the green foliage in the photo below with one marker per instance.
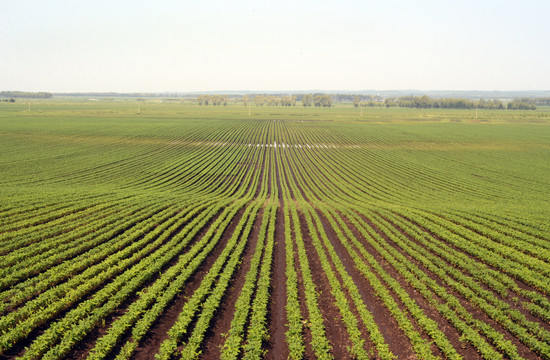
(105, 216)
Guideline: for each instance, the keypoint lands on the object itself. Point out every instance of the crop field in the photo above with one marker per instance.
(188, 231)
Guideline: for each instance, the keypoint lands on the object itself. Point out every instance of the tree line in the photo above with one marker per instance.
(542, 101)
(270, 100)
(522, 104)
(418, 102)
(26, 94)
(318, 100)
(213, 99)
(425, 102)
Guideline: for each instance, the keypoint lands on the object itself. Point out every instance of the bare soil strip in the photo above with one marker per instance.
(221, 323)
(396, 339)
(277, 347)
(463, 348)
(335, 328)
(158, 332)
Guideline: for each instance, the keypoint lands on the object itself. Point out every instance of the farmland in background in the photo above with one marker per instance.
(170, 230)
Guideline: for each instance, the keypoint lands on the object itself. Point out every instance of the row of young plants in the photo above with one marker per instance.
(258, 332)
(252, 305)
(152, 221)
(191, 171)
(25, 268)
(155, 149)
(319, 342)
(120, 237)
(519, 266)
(321, 162)
(232, 346)
(318, 184)
(374, 167)
(419, 345)
(17, 325)
(61, 234)
(20, 228)
(142, 314)
(512, 249)
(530, 333)
(315, 231)
(81, 279)
(42, 264)
(210, 292)
(191, 349)
(516, 353)
(140, 329)
(536, 248)
(445, 345)
(29, 241)
(495, 280)
(61, 337)
(514, 226)
(411, 271)
(21, 209)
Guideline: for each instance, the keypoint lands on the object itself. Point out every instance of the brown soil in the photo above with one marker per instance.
(463, 348)
(348, 266)
(221, 323)
(158, 332)
(510, 299)
(435, 236)
(512, 295)
(309, 353)
(396, 339)
(85, 345)
(334, 326)
(276, 346)
(477, 313)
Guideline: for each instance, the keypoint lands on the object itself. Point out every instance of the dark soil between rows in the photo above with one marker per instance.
(158, 332)
(276, 345)
(214, 338)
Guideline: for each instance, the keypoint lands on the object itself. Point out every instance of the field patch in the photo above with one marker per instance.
(192, 233)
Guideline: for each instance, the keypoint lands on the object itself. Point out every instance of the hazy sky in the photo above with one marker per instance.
(127, 46)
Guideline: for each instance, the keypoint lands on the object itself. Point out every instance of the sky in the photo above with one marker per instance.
(186, 46)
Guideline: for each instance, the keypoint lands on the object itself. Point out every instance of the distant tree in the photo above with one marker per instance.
(259, 100)
(26, 94)
(522, 104)
(327, 101)
(317, 100)
(273, 100)
(356, 101)
(322, 100)
(542, 101)
(288, 100)
(245, 100)
(307, 100)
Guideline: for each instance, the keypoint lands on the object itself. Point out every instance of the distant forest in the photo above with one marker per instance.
(425, 102)
(419, 102)
(26, 94)
(318, 99)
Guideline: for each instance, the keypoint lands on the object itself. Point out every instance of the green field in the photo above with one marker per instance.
(188, 231)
